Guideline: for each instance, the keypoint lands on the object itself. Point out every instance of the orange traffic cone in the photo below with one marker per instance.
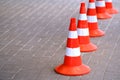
(101, 10)
(92, 20)
(72, 65)
(83, 32)
(109, 7)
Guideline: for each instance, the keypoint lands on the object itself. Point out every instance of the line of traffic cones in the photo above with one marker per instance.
(104, 9)
(101, 10)
(79, 36)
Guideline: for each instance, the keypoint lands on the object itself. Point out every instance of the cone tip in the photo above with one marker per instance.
(72, 24)
(82, 4)
(73, 20)
(91, 1)
(82, 8)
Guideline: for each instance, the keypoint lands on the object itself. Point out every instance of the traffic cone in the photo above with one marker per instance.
(101, 10)
(72, 65)
(83, 31)
(94, 31)
(109, 7)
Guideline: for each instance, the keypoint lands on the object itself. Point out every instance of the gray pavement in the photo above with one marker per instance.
(33, 38)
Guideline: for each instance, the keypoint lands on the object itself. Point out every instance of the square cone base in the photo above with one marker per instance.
(72, 70)
(96, 33)
(103, 15)
(88, 47)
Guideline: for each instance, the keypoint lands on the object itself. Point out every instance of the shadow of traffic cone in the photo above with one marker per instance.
(92, 20)
(72, 65)
(109, 7)
(83, 32)
(101, 10)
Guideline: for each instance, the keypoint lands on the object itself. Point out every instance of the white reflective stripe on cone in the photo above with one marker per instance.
(100, 3)
(82, 17)
(83, 32)
(72, 34)
(91, 5)
(92, 18)
(73, 51)
(108, 0)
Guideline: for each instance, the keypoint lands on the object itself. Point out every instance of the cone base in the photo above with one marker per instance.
(72, 70)
(96, 33)
(88, 47)
(103, 15)
(112, 11)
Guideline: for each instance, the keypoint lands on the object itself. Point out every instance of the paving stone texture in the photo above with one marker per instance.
(33, 37)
